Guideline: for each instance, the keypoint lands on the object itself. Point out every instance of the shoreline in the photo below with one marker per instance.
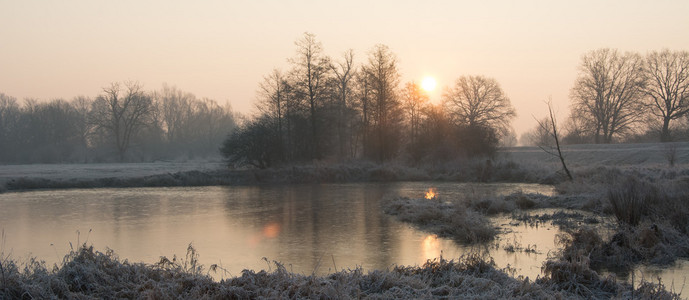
(474, 171)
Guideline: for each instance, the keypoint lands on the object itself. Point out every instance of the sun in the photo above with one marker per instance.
(428, 84)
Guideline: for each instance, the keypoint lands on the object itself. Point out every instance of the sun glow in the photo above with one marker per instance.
(428, 84)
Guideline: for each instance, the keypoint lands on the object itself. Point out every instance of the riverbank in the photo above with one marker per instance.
(29, 177)
(87, 273)
(516, 164)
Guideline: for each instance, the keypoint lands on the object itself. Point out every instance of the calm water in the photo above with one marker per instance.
(306, 227)
(309, 228)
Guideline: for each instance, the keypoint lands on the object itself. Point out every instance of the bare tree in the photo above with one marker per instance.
(344, 71)
(363, 105)
(550, 125)
(212, 123)
(414, 99)
(9, 116)
(383, 78)
(539, 135)
(272, 102)
(608, 92)
(667, 87)
(122, 111)
(175, 112)
(84, 123)
(311, 69)
(477, 101)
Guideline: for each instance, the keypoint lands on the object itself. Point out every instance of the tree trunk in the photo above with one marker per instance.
(665, 131)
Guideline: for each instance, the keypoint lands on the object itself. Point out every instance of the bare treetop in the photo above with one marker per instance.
(608, 92)
(479, 101)
(667, 86)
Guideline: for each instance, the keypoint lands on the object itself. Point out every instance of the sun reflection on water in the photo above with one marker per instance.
(431, 247)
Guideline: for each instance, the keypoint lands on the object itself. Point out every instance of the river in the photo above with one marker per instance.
(309, 228)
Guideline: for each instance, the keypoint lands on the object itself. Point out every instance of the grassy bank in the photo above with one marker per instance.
(86, 274)
(359, 171)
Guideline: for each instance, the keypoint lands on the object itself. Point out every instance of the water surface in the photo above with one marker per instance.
(309, 228)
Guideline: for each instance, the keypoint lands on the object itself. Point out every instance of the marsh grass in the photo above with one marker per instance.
(564, 220)
(630, 198)
(452, 220)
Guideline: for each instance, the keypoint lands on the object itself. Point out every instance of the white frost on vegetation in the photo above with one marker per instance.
(87, 274)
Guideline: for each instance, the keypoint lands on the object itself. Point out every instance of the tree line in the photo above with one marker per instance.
(123, 123)
(340, 109)
(621, 97)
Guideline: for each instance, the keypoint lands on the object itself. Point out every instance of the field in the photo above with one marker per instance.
(638, 155)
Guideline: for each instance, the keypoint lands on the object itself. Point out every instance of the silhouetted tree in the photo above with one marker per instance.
(363, 104)
(122, 111)
(9, 117)
(273, 94)
(343, 72)
(414, 99)
(175, 110)
(479, 102)
(383, 79)
(608, 92)
(437, 141)
(84, 123)
(667, 86)
(481, 111)
(310, 73)
(253, 144)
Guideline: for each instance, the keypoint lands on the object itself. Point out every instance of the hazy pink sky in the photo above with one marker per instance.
(221, 49)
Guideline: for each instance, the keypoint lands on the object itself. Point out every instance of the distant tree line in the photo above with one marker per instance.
(626, 97)
(337, 109)
(122, 123)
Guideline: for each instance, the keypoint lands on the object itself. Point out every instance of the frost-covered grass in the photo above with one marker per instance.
(652, 213)
(520, 164)
(650, 206)
(14, 178)
(89, 274)
(587, 155)
(445, 219)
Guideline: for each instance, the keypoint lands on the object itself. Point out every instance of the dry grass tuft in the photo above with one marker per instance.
(630, 198)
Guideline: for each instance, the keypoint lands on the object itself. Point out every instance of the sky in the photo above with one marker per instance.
(222, 49)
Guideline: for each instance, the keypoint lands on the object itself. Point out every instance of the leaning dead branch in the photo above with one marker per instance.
(551, 127)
